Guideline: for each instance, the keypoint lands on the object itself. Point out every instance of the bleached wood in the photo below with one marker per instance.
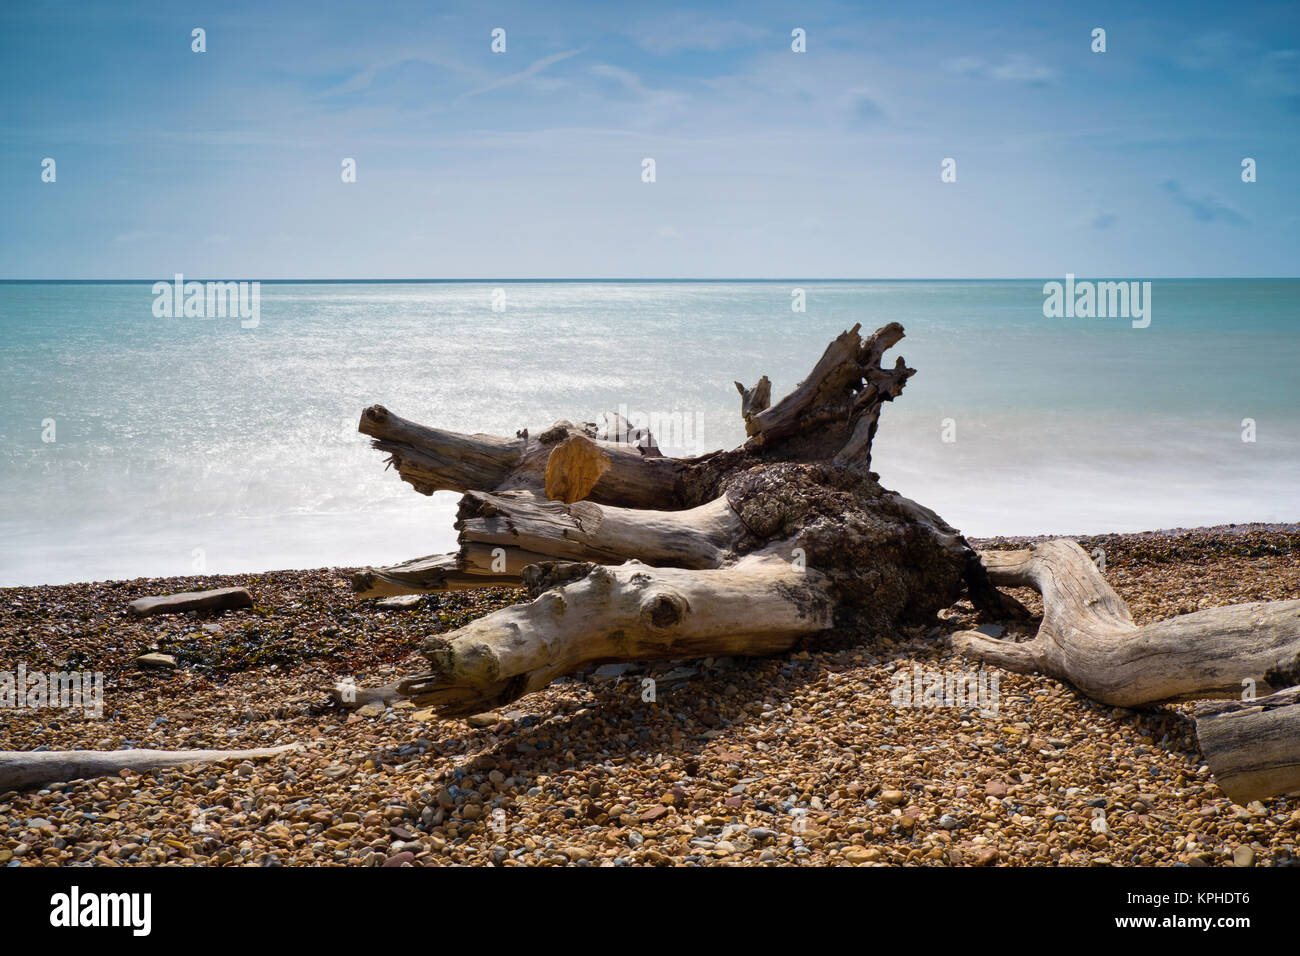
(431, 459)
(22, 770)
(762, 604)
(434, 572)
(836, 409)
(1088, 637)
(1253, 746)
(584, 531)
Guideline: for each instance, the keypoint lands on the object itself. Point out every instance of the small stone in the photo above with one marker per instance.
(893, 797)
(948, 822)
(156, 661)
(399, 859)
(485, 719)
(859, 854)
(1243, 856)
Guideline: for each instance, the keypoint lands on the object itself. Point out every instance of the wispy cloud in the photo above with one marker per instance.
(1015, 68)
(136, 235)
(364, 79)
(684, 32)
(655, 104)
(533, 69)
(1204, 208)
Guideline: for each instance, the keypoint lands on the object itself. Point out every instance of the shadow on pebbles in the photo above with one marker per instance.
(807, 759)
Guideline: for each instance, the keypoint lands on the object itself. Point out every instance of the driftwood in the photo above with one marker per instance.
(219, 599)
(20, 770)
(630, 555)
(1253, 746)
(1088, 638)
(785, 541)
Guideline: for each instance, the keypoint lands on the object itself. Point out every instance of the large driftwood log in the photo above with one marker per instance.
(1253, 746)
(20, 770)
(762, 604)
(430, 460)
(630, 555)
(634, 556)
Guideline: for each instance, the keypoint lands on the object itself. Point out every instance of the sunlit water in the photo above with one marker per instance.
(188, 443)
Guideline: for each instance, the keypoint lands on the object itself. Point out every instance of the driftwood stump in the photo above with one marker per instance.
(630, 555)
(785, 541)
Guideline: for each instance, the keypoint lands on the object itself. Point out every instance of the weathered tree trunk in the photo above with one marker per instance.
(786, 540)
(761, 604)
(634, 556)
(1253, 746)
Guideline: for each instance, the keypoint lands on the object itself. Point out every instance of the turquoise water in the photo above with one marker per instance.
(187, 443)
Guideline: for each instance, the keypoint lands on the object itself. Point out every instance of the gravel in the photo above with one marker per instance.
(798, 760)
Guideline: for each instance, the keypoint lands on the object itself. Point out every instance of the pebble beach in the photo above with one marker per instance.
(804, 759)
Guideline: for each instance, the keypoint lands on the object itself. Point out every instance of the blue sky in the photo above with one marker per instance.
(769, 163)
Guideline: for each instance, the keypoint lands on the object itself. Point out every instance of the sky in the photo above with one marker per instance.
(769, 163)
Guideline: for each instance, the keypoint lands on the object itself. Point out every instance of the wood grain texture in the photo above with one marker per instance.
(1088, 637)
(1253, 746)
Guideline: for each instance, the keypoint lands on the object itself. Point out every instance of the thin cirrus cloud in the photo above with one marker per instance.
(1015, 68)
(685, 32)
(364, 80)
(1204, 208)
(136, 235)
(533, 69)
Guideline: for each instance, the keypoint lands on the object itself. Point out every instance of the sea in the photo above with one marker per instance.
(134, 444)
